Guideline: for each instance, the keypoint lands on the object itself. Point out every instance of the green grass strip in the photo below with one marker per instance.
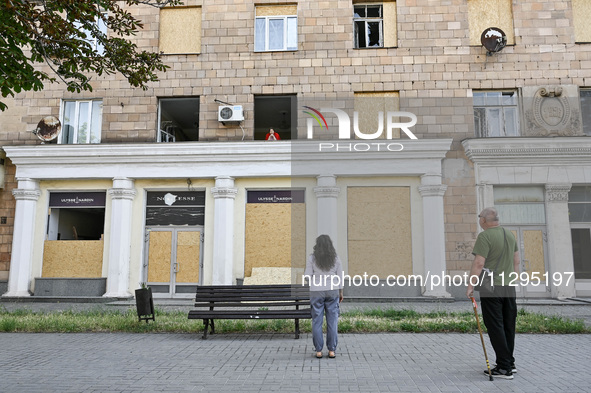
(363, 321)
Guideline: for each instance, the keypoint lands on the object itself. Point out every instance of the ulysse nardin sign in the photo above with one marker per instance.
(278, 196)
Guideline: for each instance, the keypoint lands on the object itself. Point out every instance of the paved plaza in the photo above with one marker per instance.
(399, 362)
(393, 362)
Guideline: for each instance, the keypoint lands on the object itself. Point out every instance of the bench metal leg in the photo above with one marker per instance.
(206, 324)
(297, 328)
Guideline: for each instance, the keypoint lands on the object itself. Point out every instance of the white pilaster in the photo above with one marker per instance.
(560, 252)
(19, 277)
(432, 192)
(122, 195)
(224, 195)
(326, 195)
(485, 196)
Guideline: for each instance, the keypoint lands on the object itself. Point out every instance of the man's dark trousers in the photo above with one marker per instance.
(499, 312)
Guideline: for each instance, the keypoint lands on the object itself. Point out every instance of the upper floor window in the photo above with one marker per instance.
(91, 38)
(81, 121)
(178, 119)
(180, 30)
(375, 25)
(276, 28)
(496, 114)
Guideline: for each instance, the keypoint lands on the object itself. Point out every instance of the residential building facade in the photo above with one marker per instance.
(179, 185)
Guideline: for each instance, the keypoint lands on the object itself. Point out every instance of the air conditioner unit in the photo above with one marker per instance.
(230, 113)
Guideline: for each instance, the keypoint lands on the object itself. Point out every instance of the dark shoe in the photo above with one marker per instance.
(513, 368)
(319, 355)
(500, 373)
(331, 354)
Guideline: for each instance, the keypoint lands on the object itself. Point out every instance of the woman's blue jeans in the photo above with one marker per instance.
(322, 302)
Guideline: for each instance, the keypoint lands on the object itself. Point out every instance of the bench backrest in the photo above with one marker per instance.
(251, 295)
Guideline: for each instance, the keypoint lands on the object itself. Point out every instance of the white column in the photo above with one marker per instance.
(432, 192)
(224, 195)
(560, 252)
(21, 259)
(122, 195)
(326, 196)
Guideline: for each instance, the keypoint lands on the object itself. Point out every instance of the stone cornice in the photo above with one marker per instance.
(209, 159)
(525, 150)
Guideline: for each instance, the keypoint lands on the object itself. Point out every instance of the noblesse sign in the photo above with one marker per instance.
(77, 199)
(279, 196)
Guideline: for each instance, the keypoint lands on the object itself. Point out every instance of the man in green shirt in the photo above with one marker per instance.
(496, 249)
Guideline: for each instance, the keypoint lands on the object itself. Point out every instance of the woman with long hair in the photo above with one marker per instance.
(325, 273)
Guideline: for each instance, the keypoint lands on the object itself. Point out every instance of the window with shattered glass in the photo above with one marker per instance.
(368, 23)
(496, 114)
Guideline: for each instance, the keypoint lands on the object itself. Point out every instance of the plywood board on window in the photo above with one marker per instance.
(379, 231)
(73, 259)
(490, 13)
(187, 256)
(275, 10)
(159, 255)
(369, 104)
(269, 236)
(581, 17)
(390, 25)
(180, 30)
(533, 251)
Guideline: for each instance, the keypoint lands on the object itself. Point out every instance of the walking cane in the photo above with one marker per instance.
(490, 377)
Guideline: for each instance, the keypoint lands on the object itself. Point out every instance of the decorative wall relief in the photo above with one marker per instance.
(551, 111)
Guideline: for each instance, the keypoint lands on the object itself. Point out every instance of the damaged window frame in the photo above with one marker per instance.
(365, 20)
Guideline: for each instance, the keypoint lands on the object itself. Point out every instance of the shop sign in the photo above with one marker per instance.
(279, 196)
(176, 198)
(77, 199)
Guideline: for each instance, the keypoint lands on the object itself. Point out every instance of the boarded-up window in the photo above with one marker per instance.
(180, 30)
(275, 232)
(379, 231)
(368, 106)
(581, 15)
(490, 13)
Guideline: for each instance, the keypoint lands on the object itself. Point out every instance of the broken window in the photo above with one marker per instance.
(77, 215)
(178, 119)
(368, 21)
(275, 112)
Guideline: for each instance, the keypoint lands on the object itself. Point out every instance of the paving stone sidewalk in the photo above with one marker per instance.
(399, 362)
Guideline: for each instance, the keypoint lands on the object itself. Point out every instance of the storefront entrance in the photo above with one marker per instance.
(174, 261)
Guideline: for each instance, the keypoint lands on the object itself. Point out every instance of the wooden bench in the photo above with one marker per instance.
(251, 302)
